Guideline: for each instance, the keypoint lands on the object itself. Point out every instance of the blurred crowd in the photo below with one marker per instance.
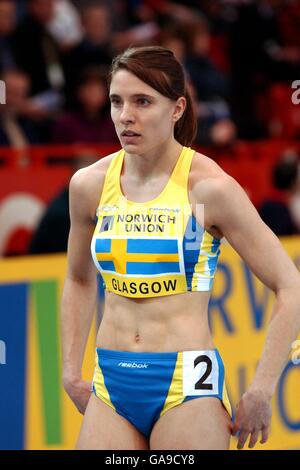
(240, 58)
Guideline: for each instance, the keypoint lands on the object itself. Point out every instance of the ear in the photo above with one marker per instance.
(179, 108)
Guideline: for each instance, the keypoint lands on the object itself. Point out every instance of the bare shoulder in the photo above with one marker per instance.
(230, 213)
(92, 174)
(87, 183)
(211, 186)
(208, 181)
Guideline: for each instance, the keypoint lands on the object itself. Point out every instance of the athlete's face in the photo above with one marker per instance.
(143, 118)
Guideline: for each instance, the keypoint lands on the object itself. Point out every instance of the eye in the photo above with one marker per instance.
(115, 101)
(143, 101)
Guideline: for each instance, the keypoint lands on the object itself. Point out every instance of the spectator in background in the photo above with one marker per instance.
(17, 130)
(143, 18)
(212, 88)
(95, 46)
(210, 83)
(38, 55)
(7, 25)
(52, 231)
(259, 56)
(90, 120)
(275, 212)
(51, 234)
(65, 26)
(190, 42)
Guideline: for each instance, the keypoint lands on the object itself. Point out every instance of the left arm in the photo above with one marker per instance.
(230, 210)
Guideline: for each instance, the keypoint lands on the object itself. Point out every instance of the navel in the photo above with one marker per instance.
(137, 338)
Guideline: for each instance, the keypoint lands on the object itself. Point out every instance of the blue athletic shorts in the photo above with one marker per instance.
(142, 386)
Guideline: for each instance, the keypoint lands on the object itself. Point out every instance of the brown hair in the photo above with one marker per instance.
(159, 68)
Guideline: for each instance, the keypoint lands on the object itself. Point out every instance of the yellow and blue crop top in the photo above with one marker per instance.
(153, 248)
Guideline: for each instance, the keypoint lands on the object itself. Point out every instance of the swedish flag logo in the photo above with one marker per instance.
(138, 256)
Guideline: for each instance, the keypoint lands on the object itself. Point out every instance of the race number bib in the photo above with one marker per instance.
(200, 373)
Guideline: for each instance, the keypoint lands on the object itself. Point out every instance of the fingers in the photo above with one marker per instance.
(82, 404)
(243, 436)
(242, 439)
(236, 425)
(265, 434)
(253, 439)
(80, 409)
(235, 428)
(80, 395)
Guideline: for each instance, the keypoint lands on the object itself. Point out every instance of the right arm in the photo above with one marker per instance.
(80, 289)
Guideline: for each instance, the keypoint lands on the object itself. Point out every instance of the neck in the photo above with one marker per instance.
(153, 163)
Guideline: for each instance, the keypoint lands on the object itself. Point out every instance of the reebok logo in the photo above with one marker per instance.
(133, 365)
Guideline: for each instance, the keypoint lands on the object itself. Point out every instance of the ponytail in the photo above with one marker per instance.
(186, 127)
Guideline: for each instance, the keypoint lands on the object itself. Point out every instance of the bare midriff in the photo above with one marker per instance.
(160, 324)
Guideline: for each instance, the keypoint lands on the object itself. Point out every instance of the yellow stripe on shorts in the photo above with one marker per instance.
(175, 395)
(101, 390)
(225, 400)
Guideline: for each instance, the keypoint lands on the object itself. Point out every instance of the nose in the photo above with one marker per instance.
(127, 115)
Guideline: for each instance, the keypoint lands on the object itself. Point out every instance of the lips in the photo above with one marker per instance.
(129, 133)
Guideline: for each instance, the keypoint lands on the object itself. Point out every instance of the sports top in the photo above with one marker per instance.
(152, 248)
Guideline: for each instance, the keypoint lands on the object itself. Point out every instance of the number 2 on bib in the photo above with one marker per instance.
(200, 385)
(200, 373)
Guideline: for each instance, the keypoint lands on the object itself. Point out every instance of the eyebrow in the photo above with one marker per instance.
(136, 95)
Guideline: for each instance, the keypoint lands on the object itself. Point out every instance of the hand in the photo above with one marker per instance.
(79, 391)
(253, 416)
